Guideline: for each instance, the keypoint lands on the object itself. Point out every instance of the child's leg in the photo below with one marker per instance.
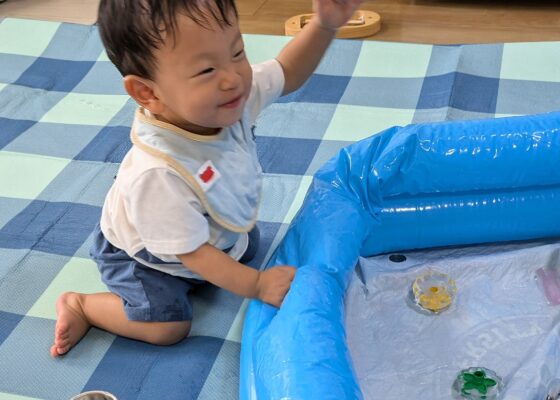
(78, 312)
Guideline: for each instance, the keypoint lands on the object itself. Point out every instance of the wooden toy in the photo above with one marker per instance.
(362, 24)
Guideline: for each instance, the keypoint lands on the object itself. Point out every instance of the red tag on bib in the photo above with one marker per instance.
(207, 175)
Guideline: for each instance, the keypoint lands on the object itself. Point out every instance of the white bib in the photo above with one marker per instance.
(223, 170)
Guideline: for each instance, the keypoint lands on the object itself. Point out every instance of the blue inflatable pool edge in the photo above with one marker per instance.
(412, 187)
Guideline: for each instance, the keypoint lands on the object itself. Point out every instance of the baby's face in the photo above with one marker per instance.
(203, 77)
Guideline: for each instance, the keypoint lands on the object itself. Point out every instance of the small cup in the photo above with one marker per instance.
(94, 395)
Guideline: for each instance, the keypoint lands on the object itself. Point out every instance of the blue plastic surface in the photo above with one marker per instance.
(419, 186)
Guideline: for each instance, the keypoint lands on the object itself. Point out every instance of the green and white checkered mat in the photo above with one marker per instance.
(64, 126)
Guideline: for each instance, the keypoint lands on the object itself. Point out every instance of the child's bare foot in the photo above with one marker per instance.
(71, 324)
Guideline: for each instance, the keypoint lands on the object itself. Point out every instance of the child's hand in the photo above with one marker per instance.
(274, 283)
(332, 14)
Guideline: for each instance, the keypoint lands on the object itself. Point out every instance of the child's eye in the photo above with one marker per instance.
(206, 71)
(239, 54)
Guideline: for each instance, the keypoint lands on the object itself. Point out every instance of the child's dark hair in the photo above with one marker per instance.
(132, 29)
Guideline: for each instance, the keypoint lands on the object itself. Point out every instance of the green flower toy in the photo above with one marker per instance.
(477, 383)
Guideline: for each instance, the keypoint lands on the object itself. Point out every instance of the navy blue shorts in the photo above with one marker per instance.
(148, 294)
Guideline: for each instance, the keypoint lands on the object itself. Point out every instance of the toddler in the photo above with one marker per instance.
(183, 207)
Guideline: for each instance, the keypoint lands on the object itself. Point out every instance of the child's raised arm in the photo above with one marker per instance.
(301, 55)
(218, 268)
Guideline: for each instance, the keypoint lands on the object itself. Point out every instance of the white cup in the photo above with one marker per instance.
(94, 395)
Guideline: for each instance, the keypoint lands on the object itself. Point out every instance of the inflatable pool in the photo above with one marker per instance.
(414, 187)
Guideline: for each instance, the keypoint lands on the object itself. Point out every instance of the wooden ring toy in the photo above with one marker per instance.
(362, 24)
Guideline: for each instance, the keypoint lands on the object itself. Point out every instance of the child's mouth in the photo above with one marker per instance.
(232, 104)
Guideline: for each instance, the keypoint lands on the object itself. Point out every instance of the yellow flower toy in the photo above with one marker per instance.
(434, 291)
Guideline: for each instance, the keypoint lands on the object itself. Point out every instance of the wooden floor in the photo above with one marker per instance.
(419, 21)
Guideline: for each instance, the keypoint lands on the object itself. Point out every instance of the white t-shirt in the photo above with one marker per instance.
(150, 206)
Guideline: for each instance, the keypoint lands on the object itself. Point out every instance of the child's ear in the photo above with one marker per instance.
(142, 90)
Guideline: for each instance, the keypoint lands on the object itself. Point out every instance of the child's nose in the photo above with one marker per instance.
(230, 79)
